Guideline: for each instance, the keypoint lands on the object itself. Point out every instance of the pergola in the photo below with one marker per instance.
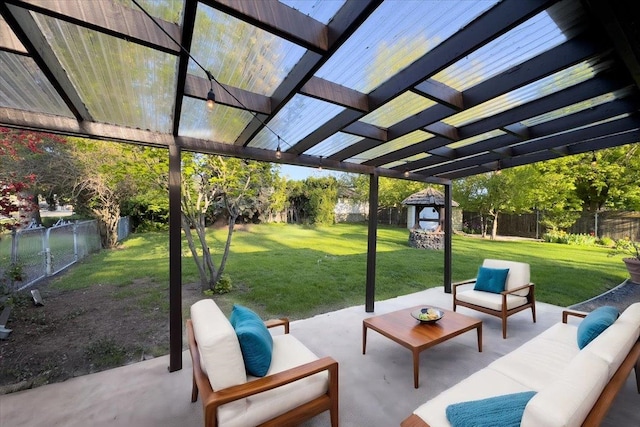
(423, 90)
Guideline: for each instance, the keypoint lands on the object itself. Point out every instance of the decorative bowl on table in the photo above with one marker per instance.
(427, 314)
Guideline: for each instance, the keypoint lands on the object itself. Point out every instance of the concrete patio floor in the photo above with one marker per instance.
(376, 389)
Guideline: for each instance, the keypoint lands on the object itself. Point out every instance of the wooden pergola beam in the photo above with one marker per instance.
(279, 19)
(9, 42)
(198, 87)
(327, 91)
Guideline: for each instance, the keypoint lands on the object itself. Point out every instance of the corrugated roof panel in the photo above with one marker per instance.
(394, 36)
(119, 82)
(320, 10)
(299, 117)
(222, 124)
(239, 54)
(575, 108)
(388, 147)
(24, 86)
(477, 138)
(407, 160)
(546, 86)
(168, 10)
(539, 34)
(333, 144)
(398, 109)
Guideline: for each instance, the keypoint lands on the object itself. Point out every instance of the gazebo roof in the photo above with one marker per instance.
(434, 89)
(427, 197)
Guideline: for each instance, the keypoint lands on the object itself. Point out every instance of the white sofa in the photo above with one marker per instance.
(574, 387)
(297, 386)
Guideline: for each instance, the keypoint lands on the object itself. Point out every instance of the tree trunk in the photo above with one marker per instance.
(108, 217)
(494, 228)
(204, 283)
(223, 263)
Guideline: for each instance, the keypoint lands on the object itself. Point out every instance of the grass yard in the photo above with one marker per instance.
(298, 271)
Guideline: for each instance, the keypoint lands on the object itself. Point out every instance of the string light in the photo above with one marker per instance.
(211, 97)
(406, 173)
(320, 165)
(498, 170)
(594, 159)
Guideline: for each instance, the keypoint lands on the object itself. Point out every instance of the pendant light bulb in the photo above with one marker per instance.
(278, 152)
(211, 99)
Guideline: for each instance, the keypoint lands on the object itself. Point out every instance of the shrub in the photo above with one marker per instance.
(556, 237)
(606, 241)
(581, 239)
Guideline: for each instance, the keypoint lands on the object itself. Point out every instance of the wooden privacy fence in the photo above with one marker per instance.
(613, 224)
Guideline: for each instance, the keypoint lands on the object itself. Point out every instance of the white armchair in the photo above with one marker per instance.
(297, 386)
(517, 295)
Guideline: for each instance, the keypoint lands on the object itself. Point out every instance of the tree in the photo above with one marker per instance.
(313, 200)
(101, 177)
(391, 191)
(223, 186)
(509, 191)
(25, 165)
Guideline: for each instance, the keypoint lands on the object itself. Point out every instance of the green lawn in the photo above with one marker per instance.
(297, 271)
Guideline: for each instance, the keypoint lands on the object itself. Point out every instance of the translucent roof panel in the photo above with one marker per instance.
(222, 124)
(477, 138)
(167, 10)
(299, 117)
(320, 10)
(388, 147)
(24, 86)
(419, 156)
(398, 109)
(539, 34)
(119, 82)
(239, 54)
(561, 80)
(336, 142)
(580, 106)
(394, 36)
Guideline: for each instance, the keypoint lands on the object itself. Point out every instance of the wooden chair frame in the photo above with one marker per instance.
(504, 313)
(211, 400)
(606, 398)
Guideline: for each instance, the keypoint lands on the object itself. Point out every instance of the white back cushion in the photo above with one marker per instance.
(519, 273)
(220, 353)
(567, 401)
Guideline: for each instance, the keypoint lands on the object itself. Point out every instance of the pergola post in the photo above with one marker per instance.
(371, 244)
(448, 228)
(175, 261)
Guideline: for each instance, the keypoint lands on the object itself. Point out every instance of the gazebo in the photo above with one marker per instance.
(425, 218)
(425, 91)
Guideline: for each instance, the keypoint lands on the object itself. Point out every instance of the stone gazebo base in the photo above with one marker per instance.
(426, 239)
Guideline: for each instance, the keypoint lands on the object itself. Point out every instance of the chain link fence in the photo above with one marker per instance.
(31, 254)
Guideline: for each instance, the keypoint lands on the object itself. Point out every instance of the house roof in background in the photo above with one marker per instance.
(438, 89)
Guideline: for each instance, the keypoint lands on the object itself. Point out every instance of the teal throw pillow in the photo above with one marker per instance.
(255, 340)
(491, 279)
(595, 323)
(503, 411)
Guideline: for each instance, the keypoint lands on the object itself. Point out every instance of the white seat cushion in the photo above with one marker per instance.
(489, 299)
(288, 352)
(484, 383)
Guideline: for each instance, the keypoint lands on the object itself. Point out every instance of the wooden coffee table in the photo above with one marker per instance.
(402, 328)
